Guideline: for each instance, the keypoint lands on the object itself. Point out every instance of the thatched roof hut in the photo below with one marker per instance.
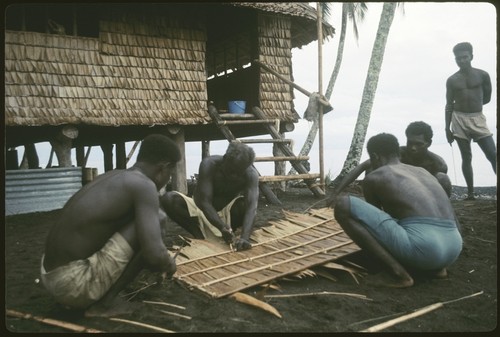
(117, 72)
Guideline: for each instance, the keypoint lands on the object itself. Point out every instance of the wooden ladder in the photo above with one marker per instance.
(223, 121)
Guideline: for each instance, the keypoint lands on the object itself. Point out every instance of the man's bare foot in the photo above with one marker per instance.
(441, 274)
(470, 197)
(384, 280)
(118, 307)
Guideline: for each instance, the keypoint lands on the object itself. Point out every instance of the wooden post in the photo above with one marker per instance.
(320, 90)
(179, 179)
(80, 156)
(31, 156)
(121, 161)
(107, 150)
(62, 143)
(279, 166)
(205, 149)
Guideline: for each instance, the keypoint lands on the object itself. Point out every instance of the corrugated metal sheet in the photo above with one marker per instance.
(40, 190)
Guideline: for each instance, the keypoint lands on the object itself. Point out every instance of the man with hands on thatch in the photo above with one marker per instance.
(225, 198)
(108, 232)
(407, 220)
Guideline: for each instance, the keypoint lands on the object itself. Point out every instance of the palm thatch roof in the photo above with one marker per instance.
(304, 27)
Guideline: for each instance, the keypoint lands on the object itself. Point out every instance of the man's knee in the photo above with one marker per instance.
(342, 208)
(170, 201)
(445, 182)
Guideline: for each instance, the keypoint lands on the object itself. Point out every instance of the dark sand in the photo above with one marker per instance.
(475, 271)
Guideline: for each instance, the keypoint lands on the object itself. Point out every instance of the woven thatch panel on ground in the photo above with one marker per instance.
(286, 246)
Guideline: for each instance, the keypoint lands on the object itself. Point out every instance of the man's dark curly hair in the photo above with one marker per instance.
(466, 46)
(158, 148)
(420, 128)
(236, 148)
(383, 144)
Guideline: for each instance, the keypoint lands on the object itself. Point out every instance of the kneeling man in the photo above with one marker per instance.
(225, 198)
(407, 220)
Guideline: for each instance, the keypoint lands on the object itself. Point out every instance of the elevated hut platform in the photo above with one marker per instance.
(284, 247)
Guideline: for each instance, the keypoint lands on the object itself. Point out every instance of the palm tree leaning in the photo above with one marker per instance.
(354, 13)
(370, 88)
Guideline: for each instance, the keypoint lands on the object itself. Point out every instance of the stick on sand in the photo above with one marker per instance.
(50, 321)
(414, 314)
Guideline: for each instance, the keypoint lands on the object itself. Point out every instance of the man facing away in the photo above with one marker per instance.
(416, 153)
(466, 92)
(225, 198)
(108, 232)
(407, 221)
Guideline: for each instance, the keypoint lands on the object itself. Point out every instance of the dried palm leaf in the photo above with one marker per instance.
(353, 272)
(247, 299)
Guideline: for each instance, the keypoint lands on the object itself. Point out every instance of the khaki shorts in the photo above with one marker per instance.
(81, 283)
(469, 126)
(208, 230)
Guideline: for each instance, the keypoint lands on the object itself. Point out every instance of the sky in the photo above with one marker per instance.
(418, 60)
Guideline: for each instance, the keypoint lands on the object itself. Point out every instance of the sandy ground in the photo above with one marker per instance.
(475, 272)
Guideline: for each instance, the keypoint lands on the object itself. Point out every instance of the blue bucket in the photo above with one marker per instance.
(236, 107)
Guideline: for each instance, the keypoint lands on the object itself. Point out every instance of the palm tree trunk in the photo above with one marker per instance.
(371, 82)
(348, 10)
(340, 53)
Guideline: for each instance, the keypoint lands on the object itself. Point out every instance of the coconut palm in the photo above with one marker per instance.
(370, 88)
(351, 12)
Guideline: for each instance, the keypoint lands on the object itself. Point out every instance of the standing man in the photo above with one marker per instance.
(108, 232)
(407, 220)
(466, 92)
(225, 198)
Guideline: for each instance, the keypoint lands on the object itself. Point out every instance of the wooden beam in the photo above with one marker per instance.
(121, 161)
(179, 178)
(297, 165)
(308, 176)
(296, 86)
(281, 158)
(107, 150)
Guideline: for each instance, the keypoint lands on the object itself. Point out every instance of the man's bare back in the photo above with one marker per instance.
(407, 191)
(110, 230)
(93, 214)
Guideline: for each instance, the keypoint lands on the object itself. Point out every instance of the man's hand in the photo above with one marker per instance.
(449, 136)
(171, 269)
(330, 202)
(242, 244)
(228, 235)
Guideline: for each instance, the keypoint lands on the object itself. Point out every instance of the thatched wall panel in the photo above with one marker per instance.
(276, 97)
(70, 81)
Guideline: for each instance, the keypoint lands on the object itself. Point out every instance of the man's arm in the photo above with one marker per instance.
(370, 190)
(251, 196)
(348, 179)
(148, 229)
(448, 110)
(486, 88)
(203, 198)
(439, 163)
